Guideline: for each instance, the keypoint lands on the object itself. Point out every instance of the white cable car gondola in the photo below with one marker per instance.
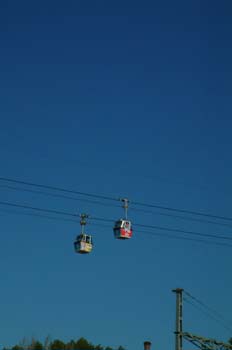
(123, 227)
(83, 243)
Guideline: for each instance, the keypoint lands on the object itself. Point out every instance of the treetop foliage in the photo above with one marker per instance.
(58, 344)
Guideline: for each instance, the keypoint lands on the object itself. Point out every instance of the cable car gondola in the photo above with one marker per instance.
(83, 243)
(123, 227)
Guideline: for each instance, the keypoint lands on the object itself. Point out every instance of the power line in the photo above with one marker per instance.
(59, 212)
(91, 222)
(165, 235)
(175, 237)
(184, 231)
(152, 234)
(180, 217)
(57, 195)
(183, 211)
(205, 309)
(110, 198)
(60, 189)
(208, 314)
(42, 216)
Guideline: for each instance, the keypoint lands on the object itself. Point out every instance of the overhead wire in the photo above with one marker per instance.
(168, 236)
(110, 220)
(92, 223)
(42, 216)
(56, 195)
(207, 314)
(175, 237)
(54, 188)
(184, 231)
(65, 213)
(193, 219)
(58, 212)
(111, 198)
(184, 211)
(206, 310)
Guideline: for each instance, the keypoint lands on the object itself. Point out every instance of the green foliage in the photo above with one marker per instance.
(83, 344)
(57, 344)
(37, 345)
(99, 347)
(230, 341)
(17, 347)
(70, 345)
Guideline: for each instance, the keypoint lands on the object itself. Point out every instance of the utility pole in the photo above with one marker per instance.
(199, 341)
(179, 318)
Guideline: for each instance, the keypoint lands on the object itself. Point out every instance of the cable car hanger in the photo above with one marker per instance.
(125, 206)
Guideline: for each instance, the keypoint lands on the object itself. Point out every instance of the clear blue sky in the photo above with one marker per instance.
(126, 98)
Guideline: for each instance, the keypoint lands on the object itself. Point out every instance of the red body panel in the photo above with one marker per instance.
(125, 233)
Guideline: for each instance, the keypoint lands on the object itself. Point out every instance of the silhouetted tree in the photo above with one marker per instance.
(37, 345)
(71, 345)
(17, 347)
(83, 344)
(99, 347)
(57, 345)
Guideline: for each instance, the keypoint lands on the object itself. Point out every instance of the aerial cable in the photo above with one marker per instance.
(54, 188)
(42, 216)
(180, 217)
(208, 315)
(205, 306)
(184, 231)
(110, 198)
(166, 235)
(52, 211)
(154, 234)
(58, 212)
(184, 211)
(170, 236)
(207, 311)
(57, 195)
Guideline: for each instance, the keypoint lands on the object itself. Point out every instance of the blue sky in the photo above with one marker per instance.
(123, 98)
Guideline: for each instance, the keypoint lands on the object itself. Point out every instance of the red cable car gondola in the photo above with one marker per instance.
(123, 227)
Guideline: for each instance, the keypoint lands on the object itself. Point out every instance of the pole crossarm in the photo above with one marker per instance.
(206, 343)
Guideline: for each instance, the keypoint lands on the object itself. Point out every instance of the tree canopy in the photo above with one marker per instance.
(58, 344)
